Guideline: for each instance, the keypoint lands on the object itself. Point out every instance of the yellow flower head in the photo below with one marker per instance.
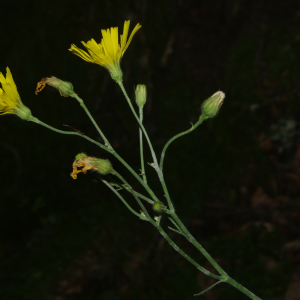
(10, 101)
(109, 52)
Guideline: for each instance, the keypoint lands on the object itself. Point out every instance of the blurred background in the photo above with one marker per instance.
(234, 181)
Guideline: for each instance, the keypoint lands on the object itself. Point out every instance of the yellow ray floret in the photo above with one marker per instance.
(10, 101)
(109, 52)
(9, 96)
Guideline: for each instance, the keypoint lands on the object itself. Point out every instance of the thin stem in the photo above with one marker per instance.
(242, 289)
(147, 188)
(164, 234)
(141, 146)
(213, 285)
(121, 198)
(201, 119)
(37, 121)
(140, 123)
(197, 245)
(157, 168)
(138, 194)
(93, 121)
(135, 196)
(114, 153)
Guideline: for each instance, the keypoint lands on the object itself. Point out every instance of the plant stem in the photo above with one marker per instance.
(157, 168)
(164, 234)
(224, 276)
(135, 196)
(197, 245)
(113, 152)
(201, 119)
(140, 123)
(242, 289)
(141, 146)
(121, 198)
(124, 186)
(93, 121)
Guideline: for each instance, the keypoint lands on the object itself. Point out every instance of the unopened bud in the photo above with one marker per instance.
(212, 105)
(159, 207)
(140, 95)
(65, 88)
(102, 166)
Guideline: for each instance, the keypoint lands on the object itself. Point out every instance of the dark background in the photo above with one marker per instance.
(234, 181)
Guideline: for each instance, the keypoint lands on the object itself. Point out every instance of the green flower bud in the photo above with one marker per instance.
(65, 88)
(212, 105)
(102, 166)
(159, 207)
(140, 95)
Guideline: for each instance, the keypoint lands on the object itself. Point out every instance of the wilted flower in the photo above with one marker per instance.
(109, 52)
(102, 166)
(10, 101)
(65, 88)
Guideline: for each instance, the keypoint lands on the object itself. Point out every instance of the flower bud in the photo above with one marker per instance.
(212, 105)
(65, 88)
(159, 207)
(140, 95)
(102, 166)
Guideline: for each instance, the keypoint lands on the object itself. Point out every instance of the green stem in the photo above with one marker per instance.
(197, 245)
(141, 146)
(37, 121)
(224, 277)
(93, 121)
(138, 194)
(201, 293)
(140, 123)
(201, 119)
(114, 153)
(135, 196)
(164, 234)
(157, 168)
(121, 198)
(242, 289)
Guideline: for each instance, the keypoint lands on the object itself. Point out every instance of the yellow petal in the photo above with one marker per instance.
(115, 41)
(136, 28)
(107, 44)
(95, 50)
(81, 53)
(124, 35)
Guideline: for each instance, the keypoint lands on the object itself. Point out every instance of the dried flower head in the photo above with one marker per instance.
(86, 163)
(65, 88)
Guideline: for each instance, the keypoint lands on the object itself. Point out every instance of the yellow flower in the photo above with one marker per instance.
(10, 101)
(109, 52)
